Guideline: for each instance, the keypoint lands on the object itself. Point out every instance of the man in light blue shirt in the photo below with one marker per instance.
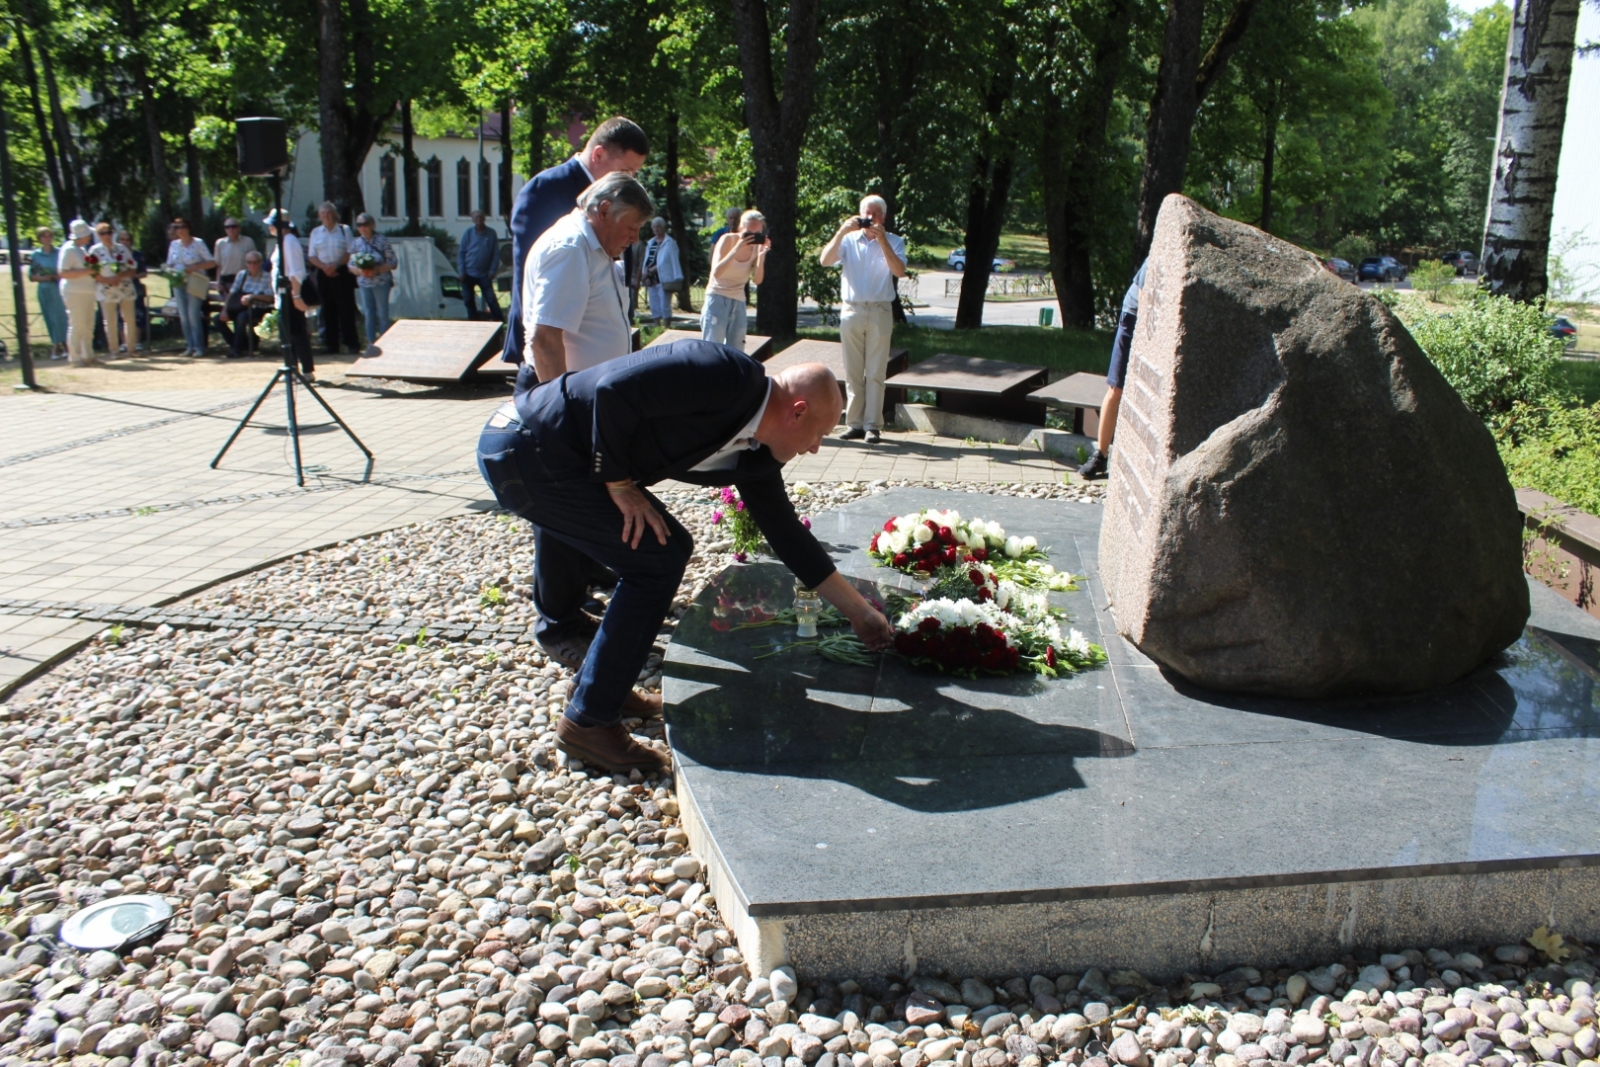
(871, 259)
(477, 261)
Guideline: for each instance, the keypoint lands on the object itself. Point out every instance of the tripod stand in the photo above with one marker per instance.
(288, 374)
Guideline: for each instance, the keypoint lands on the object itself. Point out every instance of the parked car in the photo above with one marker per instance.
(1463, 261)
(1563, 328)
(1382, 269)
(958, 261)
(1341, 267)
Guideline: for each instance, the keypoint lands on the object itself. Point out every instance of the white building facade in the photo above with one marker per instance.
(458, 174)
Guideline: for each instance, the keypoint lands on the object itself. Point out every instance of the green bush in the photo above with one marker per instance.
(1555, 449)
(1355, 247)
(1495, 351)
(1432, 277)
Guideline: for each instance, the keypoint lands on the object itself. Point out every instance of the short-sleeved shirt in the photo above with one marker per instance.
(253, 284)
(1130, 299)
(329, 245)
(73, 258)
(570, 283)
(865, 273)
(182, 256)
(380, 247)
(123, 258)
(230, 254)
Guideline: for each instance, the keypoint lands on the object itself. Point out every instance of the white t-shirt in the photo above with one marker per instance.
(294, 259)
(570, 283)
(866, 274)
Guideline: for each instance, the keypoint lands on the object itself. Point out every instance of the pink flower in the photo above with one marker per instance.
(740, 556)
(727, 495)
(739, 506)
(716, 518)
(806, 522)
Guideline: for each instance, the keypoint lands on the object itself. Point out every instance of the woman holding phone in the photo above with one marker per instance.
(740, 257)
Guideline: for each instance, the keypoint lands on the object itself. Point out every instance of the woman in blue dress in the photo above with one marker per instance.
(42, 269)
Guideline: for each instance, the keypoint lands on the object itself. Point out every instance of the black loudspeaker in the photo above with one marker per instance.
(263, 146)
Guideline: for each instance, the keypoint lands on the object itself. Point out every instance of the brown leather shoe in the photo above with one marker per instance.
(611, 747)
(641, 705)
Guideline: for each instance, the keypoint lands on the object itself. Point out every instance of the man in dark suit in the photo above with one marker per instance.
(575, 456)
(616, 144)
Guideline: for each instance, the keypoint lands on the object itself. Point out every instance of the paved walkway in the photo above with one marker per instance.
(109, 499)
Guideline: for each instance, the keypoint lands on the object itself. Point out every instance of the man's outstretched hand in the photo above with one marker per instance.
(637, 513)
(867, 621)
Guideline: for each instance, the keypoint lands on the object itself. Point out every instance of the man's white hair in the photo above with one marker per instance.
(658, 221)
(874, 201)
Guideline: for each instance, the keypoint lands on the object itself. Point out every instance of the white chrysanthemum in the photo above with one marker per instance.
(1078, 645)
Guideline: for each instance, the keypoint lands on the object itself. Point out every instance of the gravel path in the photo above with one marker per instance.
(377, 856)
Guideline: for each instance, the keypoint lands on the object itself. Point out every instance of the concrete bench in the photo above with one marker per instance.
(431, 351)
(1079, 393)
(970, 385)
(756, 347)
(831, 355)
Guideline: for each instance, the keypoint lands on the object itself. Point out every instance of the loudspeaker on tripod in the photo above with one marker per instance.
(263, 146)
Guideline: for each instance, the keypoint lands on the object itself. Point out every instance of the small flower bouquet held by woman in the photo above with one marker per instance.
(268, 326)
(365, 262)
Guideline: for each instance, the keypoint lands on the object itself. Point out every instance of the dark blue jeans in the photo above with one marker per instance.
(574, 522)
(491, 306)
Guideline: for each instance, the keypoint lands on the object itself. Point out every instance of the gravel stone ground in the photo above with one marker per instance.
(376, 856)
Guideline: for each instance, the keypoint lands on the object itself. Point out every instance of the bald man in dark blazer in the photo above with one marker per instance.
(576, 456)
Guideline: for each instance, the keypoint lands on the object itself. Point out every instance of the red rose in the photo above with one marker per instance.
(975, 576)
(888, 527)
(928, 625)
(946, 536)
(874, 546)
(980, 554)
(900, 559)
(948, 555)
(1050, 655)
(930, 524)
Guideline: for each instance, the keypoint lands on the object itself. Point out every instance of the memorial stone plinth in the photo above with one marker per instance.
(889, 820)
(1299, 503)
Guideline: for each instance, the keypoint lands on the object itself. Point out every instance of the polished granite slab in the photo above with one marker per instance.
(824, 789)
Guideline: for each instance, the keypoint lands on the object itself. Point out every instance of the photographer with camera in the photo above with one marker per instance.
(870, 258)
(738, 258)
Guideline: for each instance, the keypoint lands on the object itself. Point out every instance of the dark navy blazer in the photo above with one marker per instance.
(652, 416)
(548, 195)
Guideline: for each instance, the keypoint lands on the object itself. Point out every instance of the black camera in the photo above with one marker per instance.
(756, 238)
(865, 222)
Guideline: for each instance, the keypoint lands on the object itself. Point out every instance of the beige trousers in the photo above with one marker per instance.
(865, 330)
(81, 308)
(130, 329)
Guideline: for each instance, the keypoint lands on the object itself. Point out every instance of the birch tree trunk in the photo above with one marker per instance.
(1533, 110)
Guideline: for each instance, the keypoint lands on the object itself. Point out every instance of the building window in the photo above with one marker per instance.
(435, 188)
(483, 187)
(505, 191)
(463, 187)
(388, 198)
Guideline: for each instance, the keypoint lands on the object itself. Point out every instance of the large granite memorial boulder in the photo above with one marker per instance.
(1299, 503)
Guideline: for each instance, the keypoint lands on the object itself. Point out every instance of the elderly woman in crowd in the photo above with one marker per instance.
(141, 311)
(249, 297)
(189, 254)
(116, 293)
(738, 258)
(78, 291)
(42, 269)
(373, 283)
(662, 272)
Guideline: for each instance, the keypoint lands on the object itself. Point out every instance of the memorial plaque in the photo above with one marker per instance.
(756, 347)
(430, 351)
(499, 368)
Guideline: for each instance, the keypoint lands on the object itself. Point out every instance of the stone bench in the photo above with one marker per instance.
(1079, 393)
(499, 368)
(971, 385)
(432, 351)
